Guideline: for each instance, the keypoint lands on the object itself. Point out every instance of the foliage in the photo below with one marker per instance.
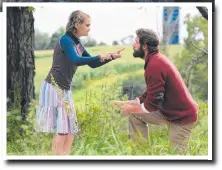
(31, 9)
(44, 41)
(87, 73)
(89, 41)
(115, 43)
(193, 62)
(104, 131)
(134, 86)
(102, 43)
(41, 40)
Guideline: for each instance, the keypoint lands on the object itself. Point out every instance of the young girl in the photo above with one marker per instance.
(56, 112)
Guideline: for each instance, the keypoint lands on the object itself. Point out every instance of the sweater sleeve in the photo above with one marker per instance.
(67, 46)
(142, 97)
(155, 80)
(97, 63)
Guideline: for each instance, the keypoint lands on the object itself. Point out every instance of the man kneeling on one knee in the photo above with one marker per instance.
(166, 100)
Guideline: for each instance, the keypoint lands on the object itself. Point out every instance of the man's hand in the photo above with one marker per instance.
(133, 102)
(118, 103)
(128, 107)
(131, 108)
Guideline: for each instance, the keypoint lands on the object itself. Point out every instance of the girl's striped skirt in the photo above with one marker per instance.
(55, 112)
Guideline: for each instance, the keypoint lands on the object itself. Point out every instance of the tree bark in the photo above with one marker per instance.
(20, 58)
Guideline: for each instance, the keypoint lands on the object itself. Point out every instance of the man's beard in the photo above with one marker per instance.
(139, 53)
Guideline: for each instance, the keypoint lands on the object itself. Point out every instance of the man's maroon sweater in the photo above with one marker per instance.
(166, 90)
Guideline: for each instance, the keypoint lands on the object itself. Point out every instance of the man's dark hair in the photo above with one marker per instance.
(148, 37)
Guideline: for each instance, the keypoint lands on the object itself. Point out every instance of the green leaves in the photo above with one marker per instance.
(192, 63)
(31, 9)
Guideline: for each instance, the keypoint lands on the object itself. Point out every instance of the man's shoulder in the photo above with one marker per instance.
(159, 60)
(159, 64)
(163, 60)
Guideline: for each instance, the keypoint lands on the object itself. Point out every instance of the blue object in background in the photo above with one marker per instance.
(171, 24)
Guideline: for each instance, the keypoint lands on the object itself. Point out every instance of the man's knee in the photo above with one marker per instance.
(179, 135)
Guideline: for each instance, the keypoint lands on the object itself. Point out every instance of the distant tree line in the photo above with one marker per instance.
(44, 41)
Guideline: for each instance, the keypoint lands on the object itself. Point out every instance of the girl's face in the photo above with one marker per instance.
(84, 28)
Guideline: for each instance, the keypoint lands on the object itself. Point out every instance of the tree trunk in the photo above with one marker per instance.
(20, 58)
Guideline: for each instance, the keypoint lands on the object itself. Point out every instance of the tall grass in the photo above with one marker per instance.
(104, 131)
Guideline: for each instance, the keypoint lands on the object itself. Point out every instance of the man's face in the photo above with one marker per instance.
(138, 49)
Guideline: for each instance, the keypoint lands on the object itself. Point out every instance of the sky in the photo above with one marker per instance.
(109, 21)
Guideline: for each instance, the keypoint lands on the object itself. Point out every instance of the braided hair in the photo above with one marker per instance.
(76, 17)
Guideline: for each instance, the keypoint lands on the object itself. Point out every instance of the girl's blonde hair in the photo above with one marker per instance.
(76, 17)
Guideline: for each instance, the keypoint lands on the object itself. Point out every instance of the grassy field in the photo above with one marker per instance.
(44, 60)
(104, 131)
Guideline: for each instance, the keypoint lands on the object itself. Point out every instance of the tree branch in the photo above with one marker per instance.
(199, 48)
(198, 59)
(203, 11)
(202, 50)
